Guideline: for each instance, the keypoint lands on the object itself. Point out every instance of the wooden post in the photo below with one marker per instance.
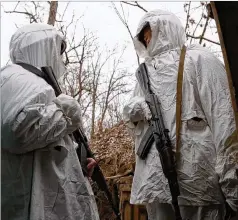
(52, 12)
(214, 14)
(128, 211)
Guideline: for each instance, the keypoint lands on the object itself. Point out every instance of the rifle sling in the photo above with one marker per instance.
(148, 140)
(34, 70)
(179, 97)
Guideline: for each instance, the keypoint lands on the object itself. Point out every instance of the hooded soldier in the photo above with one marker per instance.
(207, 162)
(38, 180)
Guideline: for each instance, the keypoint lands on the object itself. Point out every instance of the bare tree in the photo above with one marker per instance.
(114, 113)
(105, 84)
(116, 85)
(194, 27)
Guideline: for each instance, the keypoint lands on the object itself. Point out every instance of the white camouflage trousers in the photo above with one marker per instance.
(163, 211)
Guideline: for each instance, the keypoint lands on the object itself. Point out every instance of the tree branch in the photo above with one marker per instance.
(204, 30)
(126, 25)
(16, 6)
(199, 37)
(25, 13)
(188, 16)
(136, 4)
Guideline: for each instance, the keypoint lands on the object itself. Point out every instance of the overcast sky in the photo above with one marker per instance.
(99, 17)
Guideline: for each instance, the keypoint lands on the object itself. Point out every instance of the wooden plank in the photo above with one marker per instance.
(129, 211)
(127, 214)
(136, 213)
(225, 15)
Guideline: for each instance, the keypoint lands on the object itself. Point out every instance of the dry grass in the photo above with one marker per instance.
(113, 149)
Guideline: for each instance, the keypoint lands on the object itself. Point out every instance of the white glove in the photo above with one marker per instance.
(70, 107)
(146, 110)
(136, 110)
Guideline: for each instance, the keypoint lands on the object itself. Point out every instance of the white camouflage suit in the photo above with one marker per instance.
(39, 182)
(207, 166)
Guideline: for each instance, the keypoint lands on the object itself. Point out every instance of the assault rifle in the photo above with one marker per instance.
(160, 137)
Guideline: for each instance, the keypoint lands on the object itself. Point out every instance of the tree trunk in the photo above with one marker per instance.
(52, 12)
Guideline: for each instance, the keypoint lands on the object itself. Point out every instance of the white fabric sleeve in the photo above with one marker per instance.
(40, 124)
(216, 102)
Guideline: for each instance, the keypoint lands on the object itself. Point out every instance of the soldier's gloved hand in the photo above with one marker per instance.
(70, 107)
(146, 110)
(136, 110)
